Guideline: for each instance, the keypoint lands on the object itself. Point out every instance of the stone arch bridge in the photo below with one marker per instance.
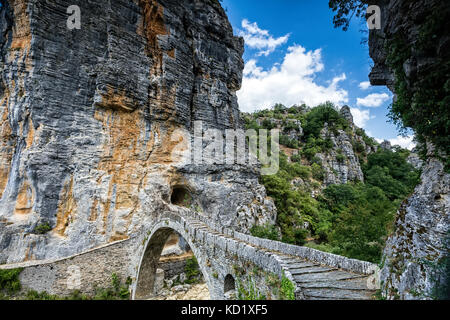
(227, 259)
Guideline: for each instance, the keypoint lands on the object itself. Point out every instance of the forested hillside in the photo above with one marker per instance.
(337, 189)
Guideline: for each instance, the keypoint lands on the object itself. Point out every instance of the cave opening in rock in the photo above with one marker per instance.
(229, 285)
(170, 270)
(181, 197)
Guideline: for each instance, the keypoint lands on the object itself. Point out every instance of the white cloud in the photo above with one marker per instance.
(364, 85)
(260, 39)
(291, 82)
(360, 117)
(373, 100)
(404, 142)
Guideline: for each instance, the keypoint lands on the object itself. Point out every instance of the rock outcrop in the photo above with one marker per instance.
(418, 247)
(414, 261)
(340, 163)
(414, 160)
(88, 122)
(347, 114)
(340, 160)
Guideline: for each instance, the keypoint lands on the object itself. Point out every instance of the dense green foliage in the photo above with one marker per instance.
(360, 220)
(10, 286)
(287, 290)
(425, 109)
(289, 202)
(270, 232)
(389, 171)
(362, 214)
(42, 228)
(9, 281)
(318, 116)
(192, 271)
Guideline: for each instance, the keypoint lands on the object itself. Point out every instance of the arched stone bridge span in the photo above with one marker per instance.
(226, 258)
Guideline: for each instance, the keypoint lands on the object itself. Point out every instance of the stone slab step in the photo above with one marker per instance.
(315, 269)
(352, 284)
(338, 294)
(293, 259)
(299, 265)
(326, 276)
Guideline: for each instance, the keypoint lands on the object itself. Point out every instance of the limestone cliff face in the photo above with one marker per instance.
(414, 258)
(416, 252)
(341, 163)
(87, 121)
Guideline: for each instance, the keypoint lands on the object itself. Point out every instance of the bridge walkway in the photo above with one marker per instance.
(314, 281)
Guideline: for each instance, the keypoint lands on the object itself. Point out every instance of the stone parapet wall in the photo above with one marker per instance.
(60, 276)
(352, 265)
(219, 252)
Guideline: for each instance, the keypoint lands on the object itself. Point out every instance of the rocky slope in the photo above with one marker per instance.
(416, 255)
(341, 158)
(88, 122)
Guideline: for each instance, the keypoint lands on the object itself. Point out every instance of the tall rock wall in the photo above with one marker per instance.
(415, 262)
(88, 119)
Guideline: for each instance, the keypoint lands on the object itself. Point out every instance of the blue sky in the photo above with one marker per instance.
(293, 54)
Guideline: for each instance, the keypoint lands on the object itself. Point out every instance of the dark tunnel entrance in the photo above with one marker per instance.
(181, 196)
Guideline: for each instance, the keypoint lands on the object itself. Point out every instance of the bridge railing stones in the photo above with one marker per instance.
(325, 258)
(83, 271)
(265, 253)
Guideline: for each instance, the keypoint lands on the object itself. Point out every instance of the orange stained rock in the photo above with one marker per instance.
(152, 24)
(25, 198)
(21, 28)
(117, 100)
(29, 252)
(20, 46)
(30, 136)
(66, 209)
(6, 148)
(129, 150)
(171, 53)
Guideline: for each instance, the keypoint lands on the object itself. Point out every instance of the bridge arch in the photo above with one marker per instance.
(146, 272)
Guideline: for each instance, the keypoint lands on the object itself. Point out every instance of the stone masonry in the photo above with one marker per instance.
(221, 252)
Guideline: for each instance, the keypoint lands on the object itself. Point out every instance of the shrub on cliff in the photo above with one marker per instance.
(192, 271)
(318, 116)
(9, 281)
(391, 172)
(42, 228)
(266, 232)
